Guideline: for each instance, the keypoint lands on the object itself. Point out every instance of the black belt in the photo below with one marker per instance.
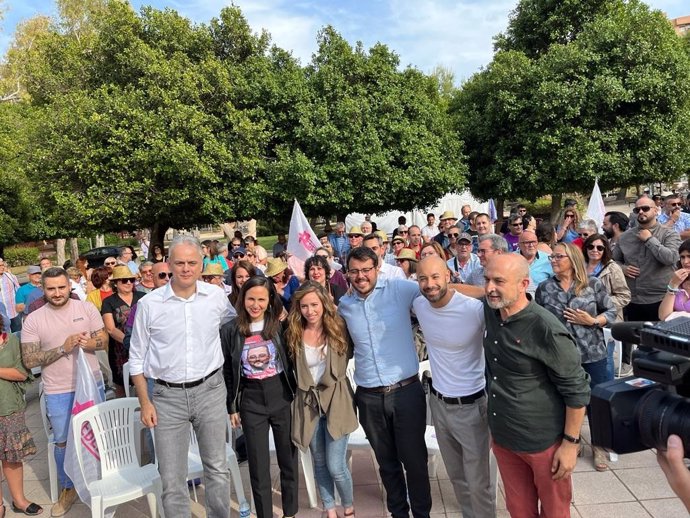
(186, 384)
(390, 388)
(463, 400)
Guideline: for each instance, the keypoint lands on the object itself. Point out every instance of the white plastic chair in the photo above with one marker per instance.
(125, 378)
(52, 466)
(618, 351)
(122, 478)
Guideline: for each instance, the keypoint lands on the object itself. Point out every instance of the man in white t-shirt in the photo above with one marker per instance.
(49, 336)
(457, 397)
(431, 229)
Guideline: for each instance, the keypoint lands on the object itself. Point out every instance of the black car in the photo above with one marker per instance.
(97, 256)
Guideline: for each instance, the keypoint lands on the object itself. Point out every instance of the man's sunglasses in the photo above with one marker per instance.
(163, 275)
(643, 208)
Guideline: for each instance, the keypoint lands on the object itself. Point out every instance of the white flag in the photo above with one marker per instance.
(302, 241)
(86, 395)
(596, 208)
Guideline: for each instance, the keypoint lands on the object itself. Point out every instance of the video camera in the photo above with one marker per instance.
(640, 412)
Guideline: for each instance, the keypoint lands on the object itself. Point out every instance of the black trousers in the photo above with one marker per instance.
(266, 404)
(395, 423)
(638, 313)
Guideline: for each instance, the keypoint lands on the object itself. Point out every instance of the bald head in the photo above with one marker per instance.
(528, 244)
(507, 279)
(433, 277)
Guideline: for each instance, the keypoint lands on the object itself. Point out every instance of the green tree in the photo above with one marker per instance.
(613, 103)
(535, 25)
(371, 138)
(146, 121)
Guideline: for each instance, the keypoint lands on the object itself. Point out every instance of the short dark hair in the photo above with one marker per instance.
(362, 253)
(432, 215)
(605, 256)
(317, 260)
(521, 206)
(618, 218)
(402, 220)
(53, 273)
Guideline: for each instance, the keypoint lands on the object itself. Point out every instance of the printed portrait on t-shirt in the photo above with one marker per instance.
(259, 358)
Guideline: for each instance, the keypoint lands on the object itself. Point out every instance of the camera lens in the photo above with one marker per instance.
(660, 414)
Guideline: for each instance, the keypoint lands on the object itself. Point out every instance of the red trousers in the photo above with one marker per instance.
(527, 481)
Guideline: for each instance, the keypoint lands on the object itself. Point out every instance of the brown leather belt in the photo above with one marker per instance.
(186, 384)
(390, 388)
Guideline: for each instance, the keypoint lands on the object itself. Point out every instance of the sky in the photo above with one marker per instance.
(456, 34)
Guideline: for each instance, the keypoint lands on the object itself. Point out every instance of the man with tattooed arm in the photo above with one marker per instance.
(49, 338)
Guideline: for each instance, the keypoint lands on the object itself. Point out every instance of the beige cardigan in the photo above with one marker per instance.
(332, 397)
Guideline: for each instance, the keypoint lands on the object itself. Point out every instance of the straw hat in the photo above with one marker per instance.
(399, 238)
(406, 254)
(275, 266)
(122, 272)
(449, 214)
(212, 269)
(355, 231)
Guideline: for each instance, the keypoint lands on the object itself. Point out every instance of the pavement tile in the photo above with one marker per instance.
(666, 508)
(616, 510)
(599, 488)
(646, 483)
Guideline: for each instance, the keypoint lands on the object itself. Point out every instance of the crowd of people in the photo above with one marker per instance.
(511, 323)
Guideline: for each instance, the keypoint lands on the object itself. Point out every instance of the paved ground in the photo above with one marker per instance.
(634, 488)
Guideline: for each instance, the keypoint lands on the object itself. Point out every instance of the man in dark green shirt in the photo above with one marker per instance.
(537, 393)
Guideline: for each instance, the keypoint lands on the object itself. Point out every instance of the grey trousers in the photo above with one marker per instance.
(463, 437)
(204, 407)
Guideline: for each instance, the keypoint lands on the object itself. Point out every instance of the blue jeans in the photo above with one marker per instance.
(59, 410)
(610, 349)
(330, 466)
(598, 373)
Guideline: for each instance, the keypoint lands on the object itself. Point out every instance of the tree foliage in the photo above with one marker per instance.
(613, 103)
(371, 138)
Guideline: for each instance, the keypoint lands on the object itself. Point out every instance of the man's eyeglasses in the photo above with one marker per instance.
(454, 235)
(107, 263)
(402, 231)
(163, 275)
(557, 257)
(238, 255)
(516, 224)
(353, 272)
(146, 272)
(643, 208)
(598, 248)
(126, 281)
(677, 204)
(352, 236)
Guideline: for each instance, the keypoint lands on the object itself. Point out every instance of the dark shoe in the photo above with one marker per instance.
(31, 510)
(195, 482)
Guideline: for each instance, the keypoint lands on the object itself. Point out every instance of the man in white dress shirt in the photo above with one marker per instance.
(176, 342)
(457, 398)
(385, 270)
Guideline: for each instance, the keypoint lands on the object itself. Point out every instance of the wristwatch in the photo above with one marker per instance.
(570, 438)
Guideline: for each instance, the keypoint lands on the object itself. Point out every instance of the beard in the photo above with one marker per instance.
(608, 233)
(503, 303)
(436, 296)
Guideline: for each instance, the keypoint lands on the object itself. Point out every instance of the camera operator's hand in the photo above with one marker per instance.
(671, 462)
(678, 278)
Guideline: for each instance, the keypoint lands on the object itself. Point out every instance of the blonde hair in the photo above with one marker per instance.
(333, 324)
(577, 261)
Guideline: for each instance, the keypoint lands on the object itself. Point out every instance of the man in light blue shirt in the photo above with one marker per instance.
(673, 217)
(539, 264)
(390, 399)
